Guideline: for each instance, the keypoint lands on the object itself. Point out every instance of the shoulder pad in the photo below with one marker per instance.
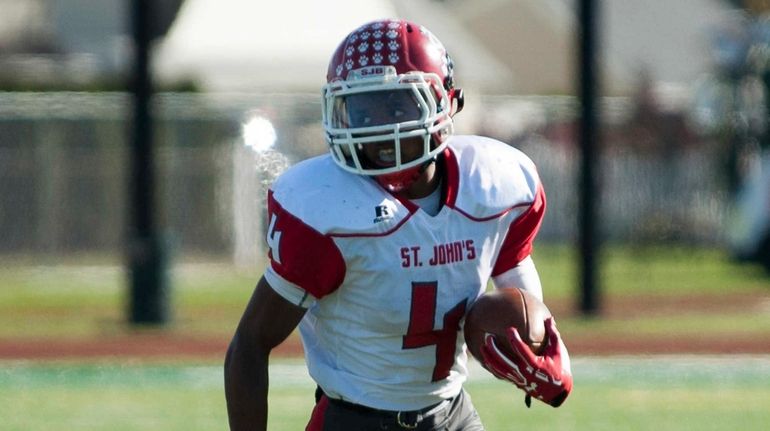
(335, 202)
(493, 176)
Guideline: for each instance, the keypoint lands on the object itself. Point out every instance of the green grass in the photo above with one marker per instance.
(85, 300)
(649, 270)
(657, 393)
(109, 398)
(682, 324)
(87, 297)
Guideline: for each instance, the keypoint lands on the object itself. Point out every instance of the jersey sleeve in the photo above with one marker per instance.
(517, 244)
(301, 258)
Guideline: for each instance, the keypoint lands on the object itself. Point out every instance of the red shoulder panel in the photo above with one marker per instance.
(518, 241)
(302, 255)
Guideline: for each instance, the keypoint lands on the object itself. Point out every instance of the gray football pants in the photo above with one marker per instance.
(457, 414)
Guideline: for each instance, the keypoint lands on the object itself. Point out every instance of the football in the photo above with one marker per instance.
(499, 309)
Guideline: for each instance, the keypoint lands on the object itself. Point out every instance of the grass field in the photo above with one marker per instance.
(69, 299)
(654, 393)
(76, 301)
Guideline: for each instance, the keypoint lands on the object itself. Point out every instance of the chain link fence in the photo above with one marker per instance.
(64, 158)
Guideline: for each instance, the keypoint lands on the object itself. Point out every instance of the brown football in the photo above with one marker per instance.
(499, 309)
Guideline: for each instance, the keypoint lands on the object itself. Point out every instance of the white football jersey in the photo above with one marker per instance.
(386, 285)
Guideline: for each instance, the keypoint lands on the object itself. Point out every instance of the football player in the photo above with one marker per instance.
(378, 248)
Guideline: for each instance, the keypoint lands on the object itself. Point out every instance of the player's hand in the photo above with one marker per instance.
(547, 377)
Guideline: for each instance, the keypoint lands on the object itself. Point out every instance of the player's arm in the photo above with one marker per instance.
(266, 322)
(547, 377)
(305, 265)
(523, 276)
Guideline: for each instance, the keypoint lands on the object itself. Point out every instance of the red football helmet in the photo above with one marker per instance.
(389, 101)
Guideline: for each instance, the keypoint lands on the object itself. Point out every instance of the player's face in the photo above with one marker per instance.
(383, 108)
(379, 108)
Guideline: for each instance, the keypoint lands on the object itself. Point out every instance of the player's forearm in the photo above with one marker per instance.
(246, 383)
(523, 276)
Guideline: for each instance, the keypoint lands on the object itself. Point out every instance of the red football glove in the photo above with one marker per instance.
(547, 378)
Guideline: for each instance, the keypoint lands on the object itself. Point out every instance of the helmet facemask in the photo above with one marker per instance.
(382, 124)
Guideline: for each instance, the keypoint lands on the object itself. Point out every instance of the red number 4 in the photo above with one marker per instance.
(421, 332)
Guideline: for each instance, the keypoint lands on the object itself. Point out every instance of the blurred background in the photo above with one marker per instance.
(684, 111)
(683, 151)
(136, 150)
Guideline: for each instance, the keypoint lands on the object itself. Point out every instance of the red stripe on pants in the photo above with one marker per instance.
(317, 418)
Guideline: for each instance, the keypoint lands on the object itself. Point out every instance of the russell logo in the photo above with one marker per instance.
(382, 213)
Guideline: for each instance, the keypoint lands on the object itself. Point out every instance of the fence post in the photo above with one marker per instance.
(147, 250)
(589, 191)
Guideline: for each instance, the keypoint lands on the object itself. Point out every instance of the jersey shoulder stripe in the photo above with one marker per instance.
(493, 177)
(337, 203)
